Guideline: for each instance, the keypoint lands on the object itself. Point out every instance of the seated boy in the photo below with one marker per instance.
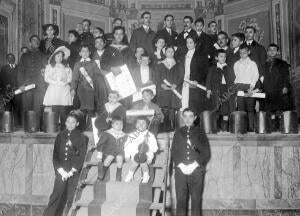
(139, 148)
(147, 104)
(110, 147)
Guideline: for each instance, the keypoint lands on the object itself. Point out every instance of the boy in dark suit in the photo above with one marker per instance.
(190, 153)
(276, 85)
(143, 36)
(168, 33)
(68, 156)
(237, 39)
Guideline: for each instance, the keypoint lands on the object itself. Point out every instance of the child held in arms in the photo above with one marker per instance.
(112, 108)
(110, 147)
(68, 157)
(147, 104)
(139, 148)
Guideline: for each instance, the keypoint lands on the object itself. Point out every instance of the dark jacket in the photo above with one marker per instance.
(56, 42)
(170, 39)
(204, 44)
(8, 76)
(69, 156)
(141, 38)
(74, 53)
(232, 57)
(259, 55)
(181, 42)
(182, 152)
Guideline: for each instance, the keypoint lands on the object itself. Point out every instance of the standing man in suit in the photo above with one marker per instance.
(213, 31)
(204, 42)
(188, 31)
(8, 81)
(190, 153)
(257, 51)
(168, 33)
(30, 71)
(143, 36)
(87, 37)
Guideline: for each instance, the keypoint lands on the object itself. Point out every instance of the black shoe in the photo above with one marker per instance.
(101, 171)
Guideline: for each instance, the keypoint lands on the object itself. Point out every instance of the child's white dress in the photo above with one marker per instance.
(58, 92)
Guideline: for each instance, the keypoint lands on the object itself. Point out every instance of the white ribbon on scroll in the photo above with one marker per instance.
(123, 82)
(174, 90)
(132, 114)
(138, 95)
(27, 88)
(198, 85)
(95, 131)
(254, 95)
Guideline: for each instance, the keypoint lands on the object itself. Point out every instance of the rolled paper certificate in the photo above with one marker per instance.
(174, 91)
(149, 112)
(27, 88)
(198, 85)
(254, 95)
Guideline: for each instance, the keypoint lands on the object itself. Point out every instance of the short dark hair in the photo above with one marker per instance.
(85, 46)
(168, 15)
(251, 27)
(223, 33)
(188, 109)
(34, 36)
(118, 28)
(189, 17)
(219, 51)
(142, 118)
(148, 91)
(239, 35)
(75, 114)
(140, 47)
(74, 32)
(211, 22)
(168, 46)
(244, 46)
(10, 54)
(274, 45)
(101, 37)
(100, 29)
(116, 19)
(200, 19)
(145, 55)
(145, 13)
(87, 20)
(191, 37)
(116, 118)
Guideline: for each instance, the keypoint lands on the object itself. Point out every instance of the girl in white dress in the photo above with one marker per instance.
(59, 76)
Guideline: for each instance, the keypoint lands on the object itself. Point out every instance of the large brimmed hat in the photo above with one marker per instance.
(55, 27)
(63, 49)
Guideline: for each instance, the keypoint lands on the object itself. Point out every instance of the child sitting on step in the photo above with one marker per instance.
(110, 147)
(139, 148)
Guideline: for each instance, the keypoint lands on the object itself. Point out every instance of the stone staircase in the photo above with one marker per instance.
(111, 198)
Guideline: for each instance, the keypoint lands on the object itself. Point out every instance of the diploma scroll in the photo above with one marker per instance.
(174, 91)
(198, 85)
(95, 131)
(254, 95)
(27, 88)
(123, 82)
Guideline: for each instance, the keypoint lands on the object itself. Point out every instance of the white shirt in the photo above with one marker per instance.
(145, 75)
(169, 30)
(246, 72)
(249, 42)
(85, 60)
(199, 33)
(146, 28)
(100, 52)
(236, 50)
(186, 33)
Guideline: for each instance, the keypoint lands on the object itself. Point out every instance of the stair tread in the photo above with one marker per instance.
(82, 203)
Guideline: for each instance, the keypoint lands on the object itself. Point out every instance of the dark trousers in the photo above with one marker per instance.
(247, 104)
(88, 115)
(168, 124)
(185, 186)
(63, 194)
(62, 111)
